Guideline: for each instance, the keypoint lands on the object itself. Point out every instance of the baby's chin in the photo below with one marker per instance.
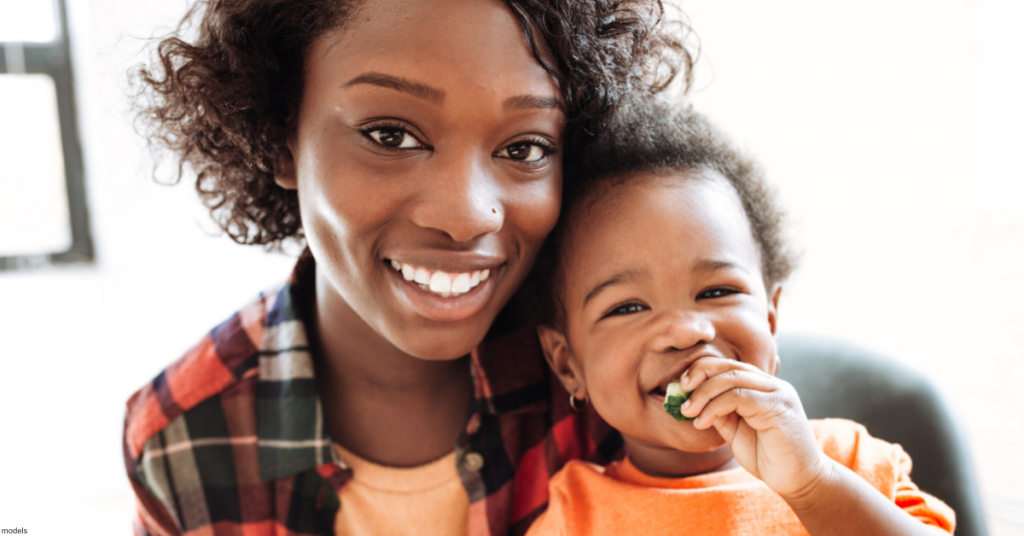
(680, 436)
(694, 440)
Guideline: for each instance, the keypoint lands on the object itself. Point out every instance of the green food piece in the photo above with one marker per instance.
(674, 398)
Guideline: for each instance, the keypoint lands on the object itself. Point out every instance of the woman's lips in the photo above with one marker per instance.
(439, 282)
(441, 295)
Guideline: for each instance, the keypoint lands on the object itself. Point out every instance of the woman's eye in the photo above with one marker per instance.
(523, 152)
(716, 293)
(626, 309)
(394, 138)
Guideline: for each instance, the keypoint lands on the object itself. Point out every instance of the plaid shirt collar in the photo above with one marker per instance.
(508, 379)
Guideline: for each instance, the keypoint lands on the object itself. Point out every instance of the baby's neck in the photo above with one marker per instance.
(665, 462)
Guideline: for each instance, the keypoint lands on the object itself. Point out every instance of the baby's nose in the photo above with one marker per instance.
(682, 330)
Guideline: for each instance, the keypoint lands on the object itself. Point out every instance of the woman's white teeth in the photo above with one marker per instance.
(422, 276)
(461, 283)
(441, 283)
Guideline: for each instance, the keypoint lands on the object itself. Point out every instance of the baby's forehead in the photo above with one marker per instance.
(617, 196)
(691, 210)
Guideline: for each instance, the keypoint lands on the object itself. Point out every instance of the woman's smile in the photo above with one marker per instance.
(458, 291)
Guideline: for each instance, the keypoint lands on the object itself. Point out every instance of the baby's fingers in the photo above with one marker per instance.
(725, 382)
(761, 410)
(709, 367)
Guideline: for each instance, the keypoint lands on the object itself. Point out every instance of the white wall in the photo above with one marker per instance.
(78, 341)
(891, 128)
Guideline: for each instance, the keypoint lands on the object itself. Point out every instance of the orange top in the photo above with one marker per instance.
(619, 499)
(424, 500)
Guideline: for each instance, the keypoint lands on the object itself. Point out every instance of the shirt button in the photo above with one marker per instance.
(474, 424)
(472, 461)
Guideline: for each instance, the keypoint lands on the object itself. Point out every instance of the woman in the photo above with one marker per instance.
(415, 147)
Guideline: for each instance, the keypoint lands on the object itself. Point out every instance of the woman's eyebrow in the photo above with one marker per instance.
(522, 102)
(621, 277)
(416, 89)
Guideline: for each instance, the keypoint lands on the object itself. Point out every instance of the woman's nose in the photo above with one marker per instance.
(461, 198)
(682, 330)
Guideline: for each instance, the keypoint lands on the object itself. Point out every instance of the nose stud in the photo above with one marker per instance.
(494, 211)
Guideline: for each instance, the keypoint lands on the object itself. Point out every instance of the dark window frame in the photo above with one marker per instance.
(54, 59)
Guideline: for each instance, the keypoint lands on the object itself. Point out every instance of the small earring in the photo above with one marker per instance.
(572, 403)
(778, 364)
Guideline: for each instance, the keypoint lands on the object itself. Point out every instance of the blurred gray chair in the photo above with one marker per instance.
(895, 403)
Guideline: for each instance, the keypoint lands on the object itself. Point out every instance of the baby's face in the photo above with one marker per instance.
(660, 273)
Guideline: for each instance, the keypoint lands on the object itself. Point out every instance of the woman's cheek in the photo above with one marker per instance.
(539, 204)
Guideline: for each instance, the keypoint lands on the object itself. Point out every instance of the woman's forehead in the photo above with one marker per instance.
(447, 45)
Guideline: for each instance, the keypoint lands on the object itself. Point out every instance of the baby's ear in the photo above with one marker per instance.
(773, 305)
(562, 361)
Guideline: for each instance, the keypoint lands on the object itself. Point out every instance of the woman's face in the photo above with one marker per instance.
(426, 159)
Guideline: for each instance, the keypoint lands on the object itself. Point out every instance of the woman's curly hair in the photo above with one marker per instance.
(223, 103)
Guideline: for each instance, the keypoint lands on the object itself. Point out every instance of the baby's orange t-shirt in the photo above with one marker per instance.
(620, 499)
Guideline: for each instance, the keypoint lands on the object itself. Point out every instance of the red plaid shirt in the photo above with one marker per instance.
(230, 438)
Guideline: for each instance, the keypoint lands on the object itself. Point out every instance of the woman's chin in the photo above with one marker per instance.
(440, 344)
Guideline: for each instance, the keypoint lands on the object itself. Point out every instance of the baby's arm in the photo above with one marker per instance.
(761, 418)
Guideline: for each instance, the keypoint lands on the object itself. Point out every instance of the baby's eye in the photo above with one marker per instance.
(394, 138)
(716, 293)
(626, 309)
(525, 151)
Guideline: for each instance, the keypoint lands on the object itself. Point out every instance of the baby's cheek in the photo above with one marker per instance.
(615, 397)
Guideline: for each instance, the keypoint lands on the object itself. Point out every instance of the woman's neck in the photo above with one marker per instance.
(379, 402)
(665, 462)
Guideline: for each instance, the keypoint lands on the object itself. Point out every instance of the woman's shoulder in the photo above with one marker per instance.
(224, 357)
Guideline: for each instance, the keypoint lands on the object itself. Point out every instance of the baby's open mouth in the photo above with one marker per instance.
(443, 284)
(658, 393)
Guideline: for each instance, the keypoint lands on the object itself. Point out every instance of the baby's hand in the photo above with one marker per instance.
(760, 417)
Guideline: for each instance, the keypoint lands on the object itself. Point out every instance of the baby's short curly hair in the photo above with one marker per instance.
(223, 102)
(648, 135)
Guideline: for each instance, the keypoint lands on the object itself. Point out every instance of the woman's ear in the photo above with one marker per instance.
(284, 166)
(773, 305)
(562, 361)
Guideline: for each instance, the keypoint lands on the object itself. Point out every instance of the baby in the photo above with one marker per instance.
(667, 266)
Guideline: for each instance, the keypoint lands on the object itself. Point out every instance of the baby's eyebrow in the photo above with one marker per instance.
(711, 265)
(621, 277)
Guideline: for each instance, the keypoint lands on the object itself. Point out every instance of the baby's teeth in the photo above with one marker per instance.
(422, 276)
(461, 283)
(408, 272)
(484, 274)
(396, 265)
(474, 279)
(440, 283)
